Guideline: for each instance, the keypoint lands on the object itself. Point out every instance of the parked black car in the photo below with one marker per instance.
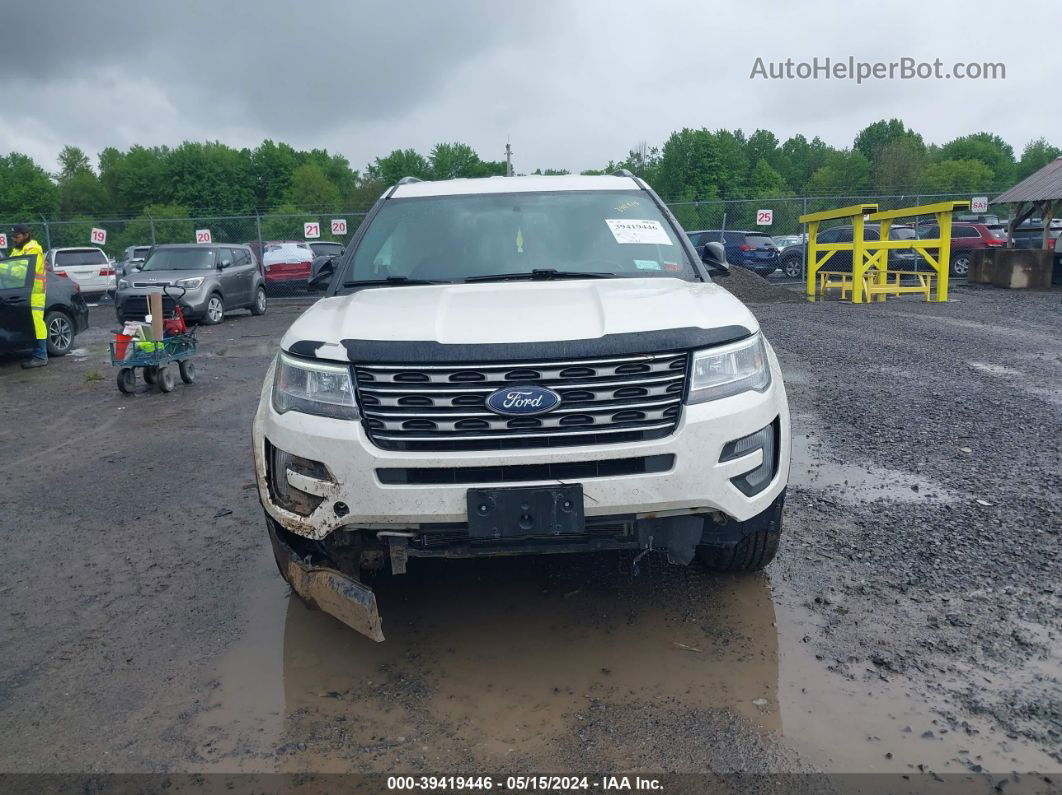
(65, 313)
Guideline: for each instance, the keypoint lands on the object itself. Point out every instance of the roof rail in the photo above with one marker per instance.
(622, 172)
(409, 180)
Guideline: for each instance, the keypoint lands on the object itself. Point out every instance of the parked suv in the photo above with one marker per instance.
(753, 250)
(65, 311)
(89, 267)
(518, 365)
(134, 256)
(217, 278)
(965, 238)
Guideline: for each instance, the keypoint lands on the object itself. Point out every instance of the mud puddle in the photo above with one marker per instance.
(813, 468)
(506, 662)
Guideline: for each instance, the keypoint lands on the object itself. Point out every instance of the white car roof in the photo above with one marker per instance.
(457, 187)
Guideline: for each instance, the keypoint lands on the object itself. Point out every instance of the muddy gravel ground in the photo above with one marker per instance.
(911, 623)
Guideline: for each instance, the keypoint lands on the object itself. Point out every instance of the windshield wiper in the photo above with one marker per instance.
(541, 274)
(392, 280)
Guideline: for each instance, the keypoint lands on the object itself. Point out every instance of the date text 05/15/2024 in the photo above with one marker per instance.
(523, 783)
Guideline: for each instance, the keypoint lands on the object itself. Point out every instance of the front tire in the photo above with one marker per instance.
(752, 553)
(215, 310)
(60, 332)
(744, 546)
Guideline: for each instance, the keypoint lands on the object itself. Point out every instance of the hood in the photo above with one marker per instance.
(513, 313)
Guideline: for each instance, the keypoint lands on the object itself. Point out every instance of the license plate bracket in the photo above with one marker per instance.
(525, 511)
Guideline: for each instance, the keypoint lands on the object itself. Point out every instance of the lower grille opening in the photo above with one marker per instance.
(517, 473)
(613, 529)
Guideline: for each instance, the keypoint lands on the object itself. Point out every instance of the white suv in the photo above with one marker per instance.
(518, 365)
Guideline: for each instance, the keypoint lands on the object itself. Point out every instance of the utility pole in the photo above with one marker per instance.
(508, 160)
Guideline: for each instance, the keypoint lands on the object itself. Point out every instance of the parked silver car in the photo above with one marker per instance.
(217, 278)
(134, 256)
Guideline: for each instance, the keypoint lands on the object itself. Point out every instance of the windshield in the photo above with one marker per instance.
(140, 253)
(180, 259)
(453, 238)
(902, 233)
(88, 256)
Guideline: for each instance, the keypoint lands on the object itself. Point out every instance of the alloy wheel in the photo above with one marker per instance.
(60, 332)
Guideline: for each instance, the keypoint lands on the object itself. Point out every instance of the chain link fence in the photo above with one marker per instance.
(784, 213)
(120, 234)
(339, 227)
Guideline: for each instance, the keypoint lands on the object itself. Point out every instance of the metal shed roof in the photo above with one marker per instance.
(1044, 185)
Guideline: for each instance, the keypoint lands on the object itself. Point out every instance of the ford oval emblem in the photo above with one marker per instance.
(523, 401)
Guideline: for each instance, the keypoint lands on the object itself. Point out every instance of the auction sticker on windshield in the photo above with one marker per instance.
(640, 232)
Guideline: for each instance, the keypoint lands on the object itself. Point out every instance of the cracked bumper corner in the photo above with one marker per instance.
(329, 590)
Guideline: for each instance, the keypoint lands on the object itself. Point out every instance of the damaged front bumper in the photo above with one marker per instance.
(325, 573)
(330, 590)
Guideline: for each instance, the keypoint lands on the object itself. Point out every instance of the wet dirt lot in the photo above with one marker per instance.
(911, 622)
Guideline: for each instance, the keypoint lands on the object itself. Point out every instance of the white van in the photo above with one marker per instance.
(90, 268)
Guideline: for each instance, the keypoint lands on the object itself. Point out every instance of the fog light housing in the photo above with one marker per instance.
(756, 480)
(278, 462)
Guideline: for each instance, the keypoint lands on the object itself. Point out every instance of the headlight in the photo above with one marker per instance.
(729, 370)
(122, 283)
(313, 388)
(189, 284)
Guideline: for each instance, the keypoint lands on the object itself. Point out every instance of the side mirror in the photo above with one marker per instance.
(321, 271)
(714, 258)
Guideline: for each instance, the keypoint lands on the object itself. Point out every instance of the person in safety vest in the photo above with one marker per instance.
(25, 245)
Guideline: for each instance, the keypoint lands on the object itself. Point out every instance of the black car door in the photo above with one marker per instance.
(16, 322)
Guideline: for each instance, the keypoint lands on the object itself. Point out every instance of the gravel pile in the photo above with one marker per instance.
(752, 288)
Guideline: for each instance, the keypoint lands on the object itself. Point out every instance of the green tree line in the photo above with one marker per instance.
(211, 178)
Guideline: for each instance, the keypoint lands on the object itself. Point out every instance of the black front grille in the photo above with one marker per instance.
(517, 473)
(443, 407)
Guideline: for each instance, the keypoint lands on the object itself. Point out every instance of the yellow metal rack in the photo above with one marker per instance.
(870, 277)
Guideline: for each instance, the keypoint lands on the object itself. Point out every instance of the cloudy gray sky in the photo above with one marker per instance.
(572, 84)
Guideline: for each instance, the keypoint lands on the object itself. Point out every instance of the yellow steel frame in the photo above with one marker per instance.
(940, 263)
(819, 253)
(870, 275)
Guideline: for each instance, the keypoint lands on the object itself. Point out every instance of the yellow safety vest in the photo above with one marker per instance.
(31, 248)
